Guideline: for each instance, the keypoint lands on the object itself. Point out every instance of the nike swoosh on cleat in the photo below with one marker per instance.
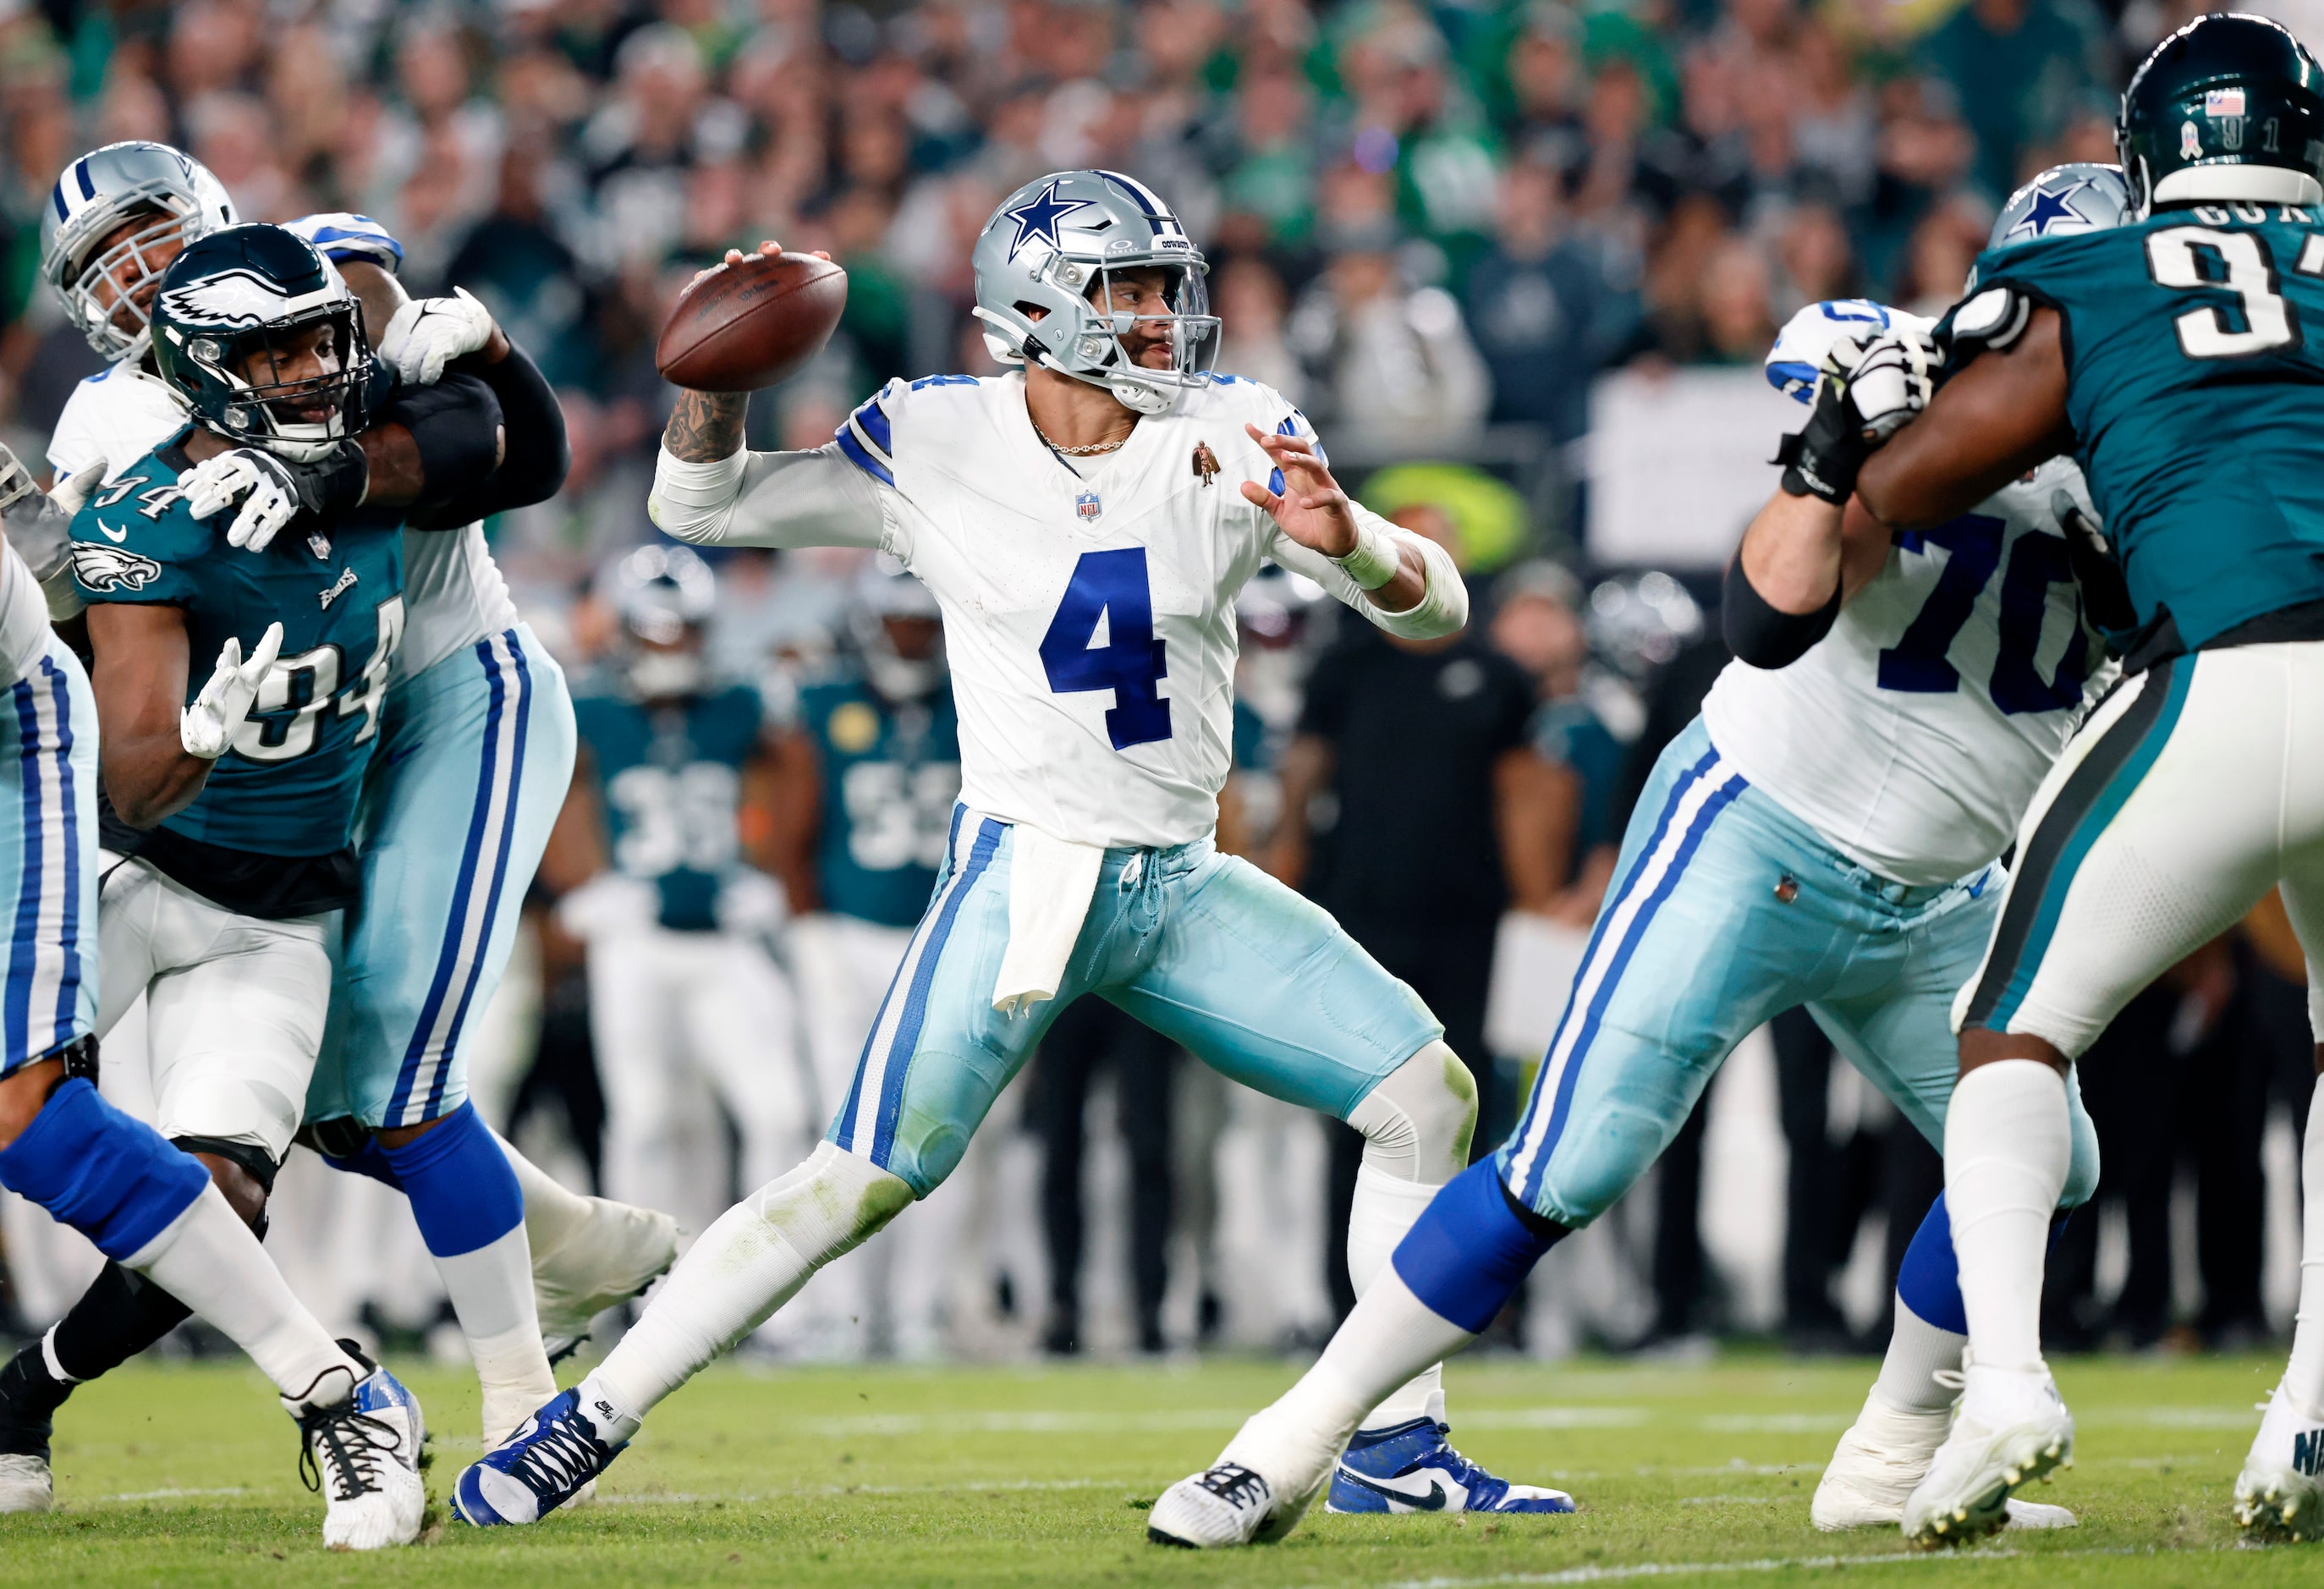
(1432, 1502)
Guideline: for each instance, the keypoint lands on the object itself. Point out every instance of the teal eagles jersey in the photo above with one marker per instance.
(890, 775)
(290, 784)
(2194, 349)
(670, 775)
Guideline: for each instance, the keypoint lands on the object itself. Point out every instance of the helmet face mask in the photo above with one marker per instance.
(1053, 266)
(106, 276)
(256, 331)
(2229, 109)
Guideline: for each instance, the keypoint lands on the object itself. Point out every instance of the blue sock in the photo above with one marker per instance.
(1468, 1252)
(464, 1195)
(371, 1159)
(1928, 1280)
(114, 1178)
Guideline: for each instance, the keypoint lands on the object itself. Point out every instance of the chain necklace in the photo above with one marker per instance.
(1092, 450)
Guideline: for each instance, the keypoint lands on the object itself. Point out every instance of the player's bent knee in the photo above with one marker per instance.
(109, 1176)
(831, 1204)
(1418, 1119)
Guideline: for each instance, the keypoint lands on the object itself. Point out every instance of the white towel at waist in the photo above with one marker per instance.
(1050, 883)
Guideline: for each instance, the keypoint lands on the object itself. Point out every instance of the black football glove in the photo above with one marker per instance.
(1864, 393)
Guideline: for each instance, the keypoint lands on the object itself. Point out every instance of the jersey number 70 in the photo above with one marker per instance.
(1111, 589)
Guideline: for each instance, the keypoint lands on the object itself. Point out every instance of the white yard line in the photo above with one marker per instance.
(1613, 1574)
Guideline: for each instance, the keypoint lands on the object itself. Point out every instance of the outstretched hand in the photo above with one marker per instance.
(1311, 508)
(207, 728)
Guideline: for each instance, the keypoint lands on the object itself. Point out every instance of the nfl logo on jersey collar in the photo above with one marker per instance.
(1087, 508)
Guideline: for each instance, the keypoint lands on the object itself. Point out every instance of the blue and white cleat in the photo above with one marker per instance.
(544, 1464)
(362, 1453)
(1413, 1467)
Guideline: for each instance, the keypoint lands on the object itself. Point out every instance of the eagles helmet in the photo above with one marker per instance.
(1053, 247)
(229, 310)
(99, 192)
(664, 596)
(2230, 107)
(885, 591)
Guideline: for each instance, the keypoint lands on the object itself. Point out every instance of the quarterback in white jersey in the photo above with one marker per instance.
(1826, 834)
(1085, 524)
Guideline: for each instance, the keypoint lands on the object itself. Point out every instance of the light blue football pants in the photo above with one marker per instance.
(474, 762)
(48, 858)
(1256, 982)
(1726, 910)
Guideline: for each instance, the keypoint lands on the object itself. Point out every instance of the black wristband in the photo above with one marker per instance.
(1760, 634)
(337, 482)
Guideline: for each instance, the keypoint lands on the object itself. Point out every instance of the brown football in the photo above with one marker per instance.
(747, 325)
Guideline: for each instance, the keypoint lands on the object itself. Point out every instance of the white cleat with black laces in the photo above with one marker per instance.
(1884, 1455)
(363, 1452)
(2011, 1428)
(2279, 1494)
(1226, 1504)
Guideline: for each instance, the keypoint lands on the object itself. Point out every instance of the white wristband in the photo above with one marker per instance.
(1375, 559)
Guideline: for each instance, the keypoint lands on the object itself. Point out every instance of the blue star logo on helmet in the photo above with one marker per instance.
(2052, 207)
(1037, 218)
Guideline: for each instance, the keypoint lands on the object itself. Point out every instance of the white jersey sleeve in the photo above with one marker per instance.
(114, 417)
(1913, 737)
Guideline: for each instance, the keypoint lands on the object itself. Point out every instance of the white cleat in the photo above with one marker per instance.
(1884, 1455)
(25, 1485)
(617, 1254)
(363, 1453)
(2011, 1427)
(2278, 1495)
(1225, 1505)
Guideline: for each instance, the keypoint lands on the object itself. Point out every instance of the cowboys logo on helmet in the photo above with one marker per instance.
(1089, 274)
(664, 596)
(256, 331)
(113, 223)
(2229, 108)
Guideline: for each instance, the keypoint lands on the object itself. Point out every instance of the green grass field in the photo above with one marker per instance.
(898, 1477)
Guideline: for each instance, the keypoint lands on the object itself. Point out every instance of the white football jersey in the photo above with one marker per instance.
(454, 595)
(1088, 604)
(1913, 734)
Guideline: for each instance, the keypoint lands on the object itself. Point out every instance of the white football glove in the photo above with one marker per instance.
(429, 333)
(266, 486)
(1891, 379)
(208, 727)
(608, 905)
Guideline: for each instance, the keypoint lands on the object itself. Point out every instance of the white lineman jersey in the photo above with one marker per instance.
(114, 418)
(1913, 734)
(454, 595)
(1088, 604)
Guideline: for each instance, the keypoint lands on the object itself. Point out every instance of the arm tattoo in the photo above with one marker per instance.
(706, 426)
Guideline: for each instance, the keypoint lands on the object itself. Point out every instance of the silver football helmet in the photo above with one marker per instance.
(665, 597)
(1053, 247)
(883, 590)
(97, 194)
(2062, 202)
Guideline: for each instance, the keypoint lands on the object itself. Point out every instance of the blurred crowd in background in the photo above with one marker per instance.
(1432, 227)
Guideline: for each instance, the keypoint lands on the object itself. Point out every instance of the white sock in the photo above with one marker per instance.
(491, 1291)
(753, 1258)
(2303, 1376)
(208, 1260)
(1389, 1336)
(1384, 1208)
(1917, 1352)
(552, 1211)
(2008, 1140)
